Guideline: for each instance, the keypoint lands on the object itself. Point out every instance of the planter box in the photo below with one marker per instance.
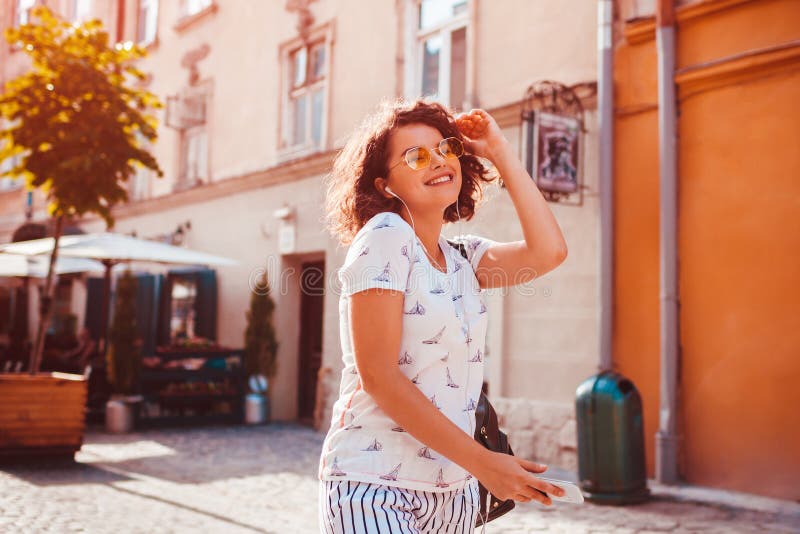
(42, 414)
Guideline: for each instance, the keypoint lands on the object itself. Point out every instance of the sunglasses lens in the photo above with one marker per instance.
(418, 158)
(451, 147)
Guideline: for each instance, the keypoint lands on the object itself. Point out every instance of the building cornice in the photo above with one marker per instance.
(643, 29)
(316, 164)
(737, 68)
(313, 165)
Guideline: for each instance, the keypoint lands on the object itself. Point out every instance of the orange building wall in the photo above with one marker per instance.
(738, 239)
(636, 334)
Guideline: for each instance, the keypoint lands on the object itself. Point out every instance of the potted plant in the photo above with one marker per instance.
(72, 125)
(123, 359)
(260, 350)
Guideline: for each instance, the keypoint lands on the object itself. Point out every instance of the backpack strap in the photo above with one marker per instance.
(460, 246)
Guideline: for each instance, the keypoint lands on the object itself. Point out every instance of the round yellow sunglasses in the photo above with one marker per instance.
(419, 157)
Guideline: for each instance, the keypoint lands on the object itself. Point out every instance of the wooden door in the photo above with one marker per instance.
(312, 292)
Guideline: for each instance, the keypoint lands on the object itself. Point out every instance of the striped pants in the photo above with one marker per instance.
(348, 507)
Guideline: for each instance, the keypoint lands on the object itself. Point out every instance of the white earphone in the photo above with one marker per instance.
(484, 517)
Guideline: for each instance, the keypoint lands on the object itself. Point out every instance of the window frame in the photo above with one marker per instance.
(15, 12)
(139, 39)
(415, 50)
(187, 18)
(323, 35)
(9, 183)
(139, 184)
(202, 90)
(74, 11)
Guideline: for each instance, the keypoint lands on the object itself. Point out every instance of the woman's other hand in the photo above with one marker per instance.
(483, 134)
(510, 477)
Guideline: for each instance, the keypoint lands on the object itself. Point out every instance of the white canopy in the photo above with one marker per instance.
(116, 248)
(37, 266)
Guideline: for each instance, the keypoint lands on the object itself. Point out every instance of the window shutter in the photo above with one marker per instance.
(94, 297)
(206, 304)
(146, 312)
(164, 296)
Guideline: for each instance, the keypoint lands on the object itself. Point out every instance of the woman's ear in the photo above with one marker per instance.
(380, 184)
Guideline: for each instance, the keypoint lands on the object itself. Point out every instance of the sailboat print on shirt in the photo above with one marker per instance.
(404, 252)
(435, 339)
(425, 452)
(478, 357)
(456, 297)
(384, 223)
(417, 309)
(415, 380)
(465, 330)
(392, 475)
(398, 429)
(374, 446)
(351, 426)
(438, 290)
(433, 400)
(450, 382)
(440, 483)
(384, 276)
(470, 406)
(445, 358)
(405, 359)
(457, 267)
(335, 471)
(364, 251)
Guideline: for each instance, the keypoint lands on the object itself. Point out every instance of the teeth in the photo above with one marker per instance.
(440, 180)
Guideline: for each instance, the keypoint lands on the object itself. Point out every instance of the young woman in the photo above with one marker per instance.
(400, 455)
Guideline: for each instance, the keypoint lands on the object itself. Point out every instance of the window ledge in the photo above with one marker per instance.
(149, 46)
(289, 153)
(187, 183)
(189, 20)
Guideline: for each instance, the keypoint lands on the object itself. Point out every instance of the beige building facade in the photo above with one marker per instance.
(260, 95)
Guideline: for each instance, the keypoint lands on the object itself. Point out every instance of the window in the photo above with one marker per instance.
(303, 124)
(22, 11)
(147, 22)
(182, 315)
(139, 181)
(10, 183)
(440, 50)
(193, 7)
(186, 112)
(194, 158)
(81, 10)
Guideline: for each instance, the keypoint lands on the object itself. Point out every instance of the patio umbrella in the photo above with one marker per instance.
(108, 246)
(110, 249)
(17, 265)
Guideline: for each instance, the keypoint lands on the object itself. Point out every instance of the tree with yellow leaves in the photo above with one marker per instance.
(75, 120)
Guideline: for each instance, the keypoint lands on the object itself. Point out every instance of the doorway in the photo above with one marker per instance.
(312, 297)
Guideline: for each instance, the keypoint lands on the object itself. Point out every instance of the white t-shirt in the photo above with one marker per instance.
(441, 351)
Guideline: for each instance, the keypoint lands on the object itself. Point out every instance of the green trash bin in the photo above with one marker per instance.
(611, 465)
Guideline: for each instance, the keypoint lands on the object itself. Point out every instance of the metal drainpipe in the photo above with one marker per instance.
(605, 108)
(666, 437)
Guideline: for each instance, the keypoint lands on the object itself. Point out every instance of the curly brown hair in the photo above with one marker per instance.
(351, 197)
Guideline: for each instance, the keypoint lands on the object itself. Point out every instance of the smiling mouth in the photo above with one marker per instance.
(440, 180)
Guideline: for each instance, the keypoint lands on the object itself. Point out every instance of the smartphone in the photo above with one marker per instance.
(572, 492)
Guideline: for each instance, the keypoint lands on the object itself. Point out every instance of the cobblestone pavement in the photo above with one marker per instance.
(262, 479)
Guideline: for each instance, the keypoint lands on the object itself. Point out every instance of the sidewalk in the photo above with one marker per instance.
(262, 479)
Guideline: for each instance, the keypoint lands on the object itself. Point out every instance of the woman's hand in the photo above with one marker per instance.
(483, 134)
(510, 477)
